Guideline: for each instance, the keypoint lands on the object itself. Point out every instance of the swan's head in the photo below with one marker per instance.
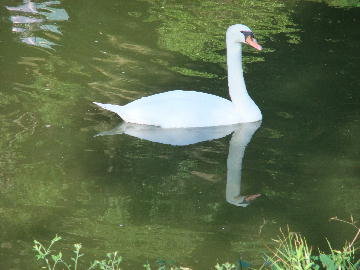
(239, 33)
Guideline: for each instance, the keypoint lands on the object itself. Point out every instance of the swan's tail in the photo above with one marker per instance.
(110, 107)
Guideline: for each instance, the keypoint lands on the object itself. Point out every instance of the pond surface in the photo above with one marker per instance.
(151, 200)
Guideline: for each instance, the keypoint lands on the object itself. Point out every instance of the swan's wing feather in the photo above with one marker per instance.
(180, 109)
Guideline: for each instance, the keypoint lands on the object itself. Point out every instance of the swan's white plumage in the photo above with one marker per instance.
(181, 109)
(178, 109)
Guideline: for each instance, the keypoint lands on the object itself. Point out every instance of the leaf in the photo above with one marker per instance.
(243, 264)
(56, 238)
(327, 262)
(54, 258)
(160, 261)
(172, 262)
(40, 256)
(77, 247)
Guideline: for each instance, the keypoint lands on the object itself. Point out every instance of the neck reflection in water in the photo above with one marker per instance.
(242, 134)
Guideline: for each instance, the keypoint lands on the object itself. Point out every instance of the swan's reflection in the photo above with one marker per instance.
(242, 134)
(239, 140)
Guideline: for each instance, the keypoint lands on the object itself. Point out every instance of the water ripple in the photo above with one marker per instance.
(33, 21)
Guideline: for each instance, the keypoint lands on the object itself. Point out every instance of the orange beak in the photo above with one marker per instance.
(253, 43)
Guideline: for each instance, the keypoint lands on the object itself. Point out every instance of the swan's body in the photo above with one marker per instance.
(181, 109)
(178, 109)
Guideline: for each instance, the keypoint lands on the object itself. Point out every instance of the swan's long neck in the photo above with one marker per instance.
(237, 88)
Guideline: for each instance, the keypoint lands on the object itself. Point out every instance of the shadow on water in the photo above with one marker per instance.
(241, 136)
(312, 100)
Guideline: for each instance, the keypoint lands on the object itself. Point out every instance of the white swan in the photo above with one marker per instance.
(182, 109)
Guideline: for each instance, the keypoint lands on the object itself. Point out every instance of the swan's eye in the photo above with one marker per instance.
(248, 33)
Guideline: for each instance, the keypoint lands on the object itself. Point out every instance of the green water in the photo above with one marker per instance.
(149, 200)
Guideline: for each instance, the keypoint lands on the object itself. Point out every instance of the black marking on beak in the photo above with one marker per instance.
(248, 33)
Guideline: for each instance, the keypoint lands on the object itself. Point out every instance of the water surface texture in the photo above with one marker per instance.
(138, 191)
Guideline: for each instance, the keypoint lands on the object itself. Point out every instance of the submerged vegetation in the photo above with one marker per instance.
(291, 252)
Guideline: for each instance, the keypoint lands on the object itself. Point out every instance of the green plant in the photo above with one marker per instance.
(51, 261)
(294, 253)
(165, 265)
(112, 262)
(44, 254)
(225, 266)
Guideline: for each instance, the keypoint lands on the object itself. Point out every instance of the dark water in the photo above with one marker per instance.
(149, 200)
